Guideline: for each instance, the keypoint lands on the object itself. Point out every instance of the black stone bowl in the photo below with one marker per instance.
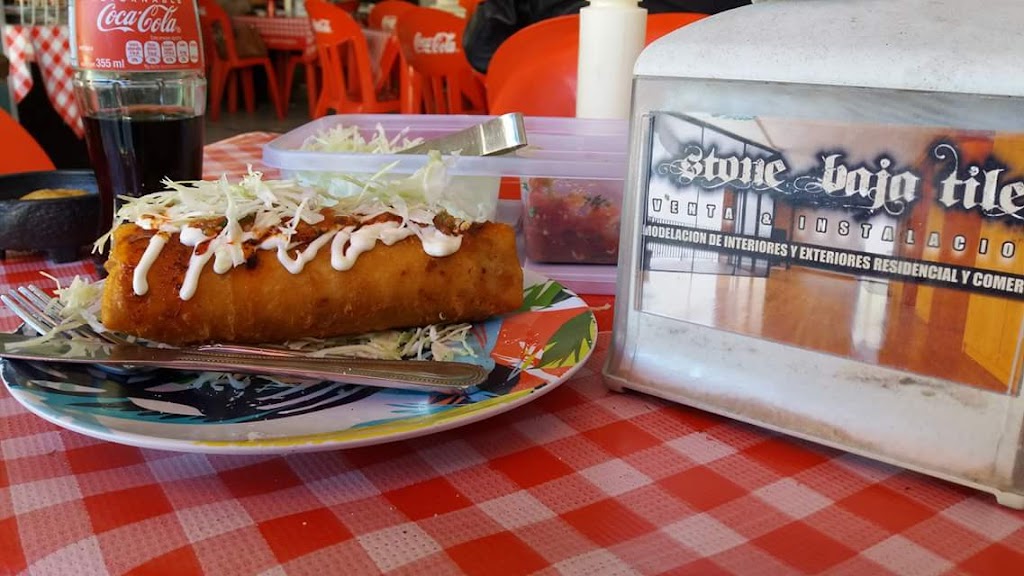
(59, 226)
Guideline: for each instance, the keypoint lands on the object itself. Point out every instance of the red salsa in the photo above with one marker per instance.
(572, 221)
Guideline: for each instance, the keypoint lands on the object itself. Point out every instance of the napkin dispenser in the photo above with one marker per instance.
(823, 229)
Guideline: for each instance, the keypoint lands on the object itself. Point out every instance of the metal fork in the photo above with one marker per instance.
(42, 314)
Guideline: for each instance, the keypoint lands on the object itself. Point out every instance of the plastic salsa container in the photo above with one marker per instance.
(571, 221)
(571, 174)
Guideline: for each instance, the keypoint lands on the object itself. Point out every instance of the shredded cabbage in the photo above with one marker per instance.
(349, 139)
(472, 198)
(81, 303)
(77, 305)
(437, 342)
(271, 203)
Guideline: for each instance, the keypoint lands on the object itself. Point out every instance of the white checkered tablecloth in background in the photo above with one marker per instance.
(281, 33)
(18, 48)
(49, 47)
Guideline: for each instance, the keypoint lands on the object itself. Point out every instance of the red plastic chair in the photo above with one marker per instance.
(520, 49)
(224, 72)
(662, 23)
(307, 60)
(431, 42)
(384, 14)
(546, 54)
(556, 72)
(21, 151)
(348, 85)
(394, 71)
(349, 6)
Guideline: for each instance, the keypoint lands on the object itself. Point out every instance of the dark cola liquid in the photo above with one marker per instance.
(132, 155)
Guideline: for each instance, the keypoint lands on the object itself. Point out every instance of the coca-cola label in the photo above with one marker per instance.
(322, 26)
(440, 43)
(137, 35)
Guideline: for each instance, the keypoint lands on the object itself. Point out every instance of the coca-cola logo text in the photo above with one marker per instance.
(440, 43)
(322, 26)
(153, 19)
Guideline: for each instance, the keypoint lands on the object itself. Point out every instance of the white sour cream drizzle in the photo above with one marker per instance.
(196, 262)
(363, 240)
(437, 243)
(140, 280)
(295, 265)
(191, 236)
(347, 244)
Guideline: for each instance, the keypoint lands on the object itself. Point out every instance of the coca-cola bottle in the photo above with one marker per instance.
(140, 86)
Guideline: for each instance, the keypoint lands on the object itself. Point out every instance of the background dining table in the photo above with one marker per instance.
(48, 46)
(579, 481)
(294, 34)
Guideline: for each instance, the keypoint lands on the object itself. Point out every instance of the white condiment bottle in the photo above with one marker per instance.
(612, 34)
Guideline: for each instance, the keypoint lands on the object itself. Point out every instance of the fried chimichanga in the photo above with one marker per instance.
(260, 301)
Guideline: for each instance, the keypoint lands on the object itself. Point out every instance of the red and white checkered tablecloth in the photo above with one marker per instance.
(580, 481)
(49, 48)
(281, 33)
(232, 157)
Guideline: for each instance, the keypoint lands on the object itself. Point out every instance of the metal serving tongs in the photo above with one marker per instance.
(36, 309)
(506, 133)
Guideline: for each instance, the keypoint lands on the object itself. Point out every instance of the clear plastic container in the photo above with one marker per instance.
(582, 279)
(558, 147)
(571, 175)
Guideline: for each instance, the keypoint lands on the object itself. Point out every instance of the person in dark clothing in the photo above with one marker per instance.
(495, 20)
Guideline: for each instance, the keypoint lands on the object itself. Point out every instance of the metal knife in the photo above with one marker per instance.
(505, 133)
(422, 376)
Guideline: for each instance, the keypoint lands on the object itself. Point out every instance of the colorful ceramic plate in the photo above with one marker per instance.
(529, 352)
